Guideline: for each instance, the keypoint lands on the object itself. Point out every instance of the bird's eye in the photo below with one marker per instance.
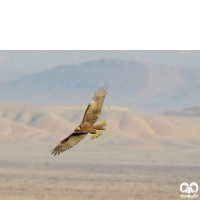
(77, 129)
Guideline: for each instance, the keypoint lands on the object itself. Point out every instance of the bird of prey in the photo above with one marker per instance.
(88, 124)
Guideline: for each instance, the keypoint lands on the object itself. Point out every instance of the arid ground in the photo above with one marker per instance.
(93, 175)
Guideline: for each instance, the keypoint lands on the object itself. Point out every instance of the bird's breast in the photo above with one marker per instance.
(86, 127)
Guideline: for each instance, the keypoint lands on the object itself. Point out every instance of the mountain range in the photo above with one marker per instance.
(140, 87)
(31, 124)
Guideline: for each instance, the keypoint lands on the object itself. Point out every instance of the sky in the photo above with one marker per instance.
(35, 61)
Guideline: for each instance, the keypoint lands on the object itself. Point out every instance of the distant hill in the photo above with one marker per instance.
(139, 87)
(10, 76)
(25, 124)
(188, 112)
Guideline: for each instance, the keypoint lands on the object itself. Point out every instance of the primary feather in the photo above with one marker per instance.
(94, 108)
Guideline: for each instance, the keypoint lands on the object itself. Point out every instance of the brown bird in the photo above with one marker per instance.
(87, 126)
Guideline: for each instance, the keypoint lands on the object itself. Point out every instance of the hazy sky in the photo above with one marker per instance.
(34, 61)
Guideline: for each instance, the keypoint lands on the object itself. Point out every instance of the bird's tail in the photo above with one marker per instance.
(100, 126)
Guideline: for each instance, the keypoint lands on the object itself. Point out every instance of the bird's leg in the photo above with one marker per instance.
(95, 134)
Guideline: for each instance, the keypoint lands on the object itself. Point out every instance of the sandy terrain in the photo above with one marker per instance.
(50, 124)
(56, 179)
(31, 172)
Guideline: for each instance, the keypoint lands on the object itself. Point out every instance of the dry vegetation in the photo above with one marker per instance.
(30, 173)
(53, 179)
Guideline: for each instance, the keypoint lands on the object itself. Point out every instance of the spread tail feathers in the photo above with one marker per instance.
(100, 126)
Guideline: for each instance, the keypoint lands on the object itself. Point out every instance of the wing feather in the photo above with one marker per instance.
(94, 108)
(68, 142)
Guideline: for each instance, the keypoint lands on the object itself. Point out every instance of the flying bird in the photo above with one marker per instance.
(88, 124)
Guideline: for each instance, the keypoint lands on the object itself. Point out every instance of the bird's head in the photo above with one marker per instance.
(77, 130)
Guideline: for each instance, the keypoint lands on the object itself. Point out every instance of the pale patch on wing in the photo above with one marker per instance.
(94, 108)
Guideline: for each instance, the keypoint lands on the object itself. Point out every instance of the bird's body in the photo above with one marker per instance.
(87, 126)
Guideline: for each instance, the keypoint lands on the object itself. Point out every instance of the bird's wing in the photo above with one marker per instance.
(94, 108)
(68, 142)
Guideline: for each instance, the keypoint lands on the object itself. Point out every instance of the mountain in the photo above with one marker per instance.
(188, 112)
(10, 76)
(25, 124)
(139, 87)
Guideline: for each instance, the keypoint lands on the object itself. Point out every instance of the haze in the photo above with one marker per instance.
(152, 109)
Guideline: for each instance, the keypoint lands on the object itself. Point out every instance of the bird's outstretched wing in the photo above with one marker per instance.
(68, 142)
(94, 108)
